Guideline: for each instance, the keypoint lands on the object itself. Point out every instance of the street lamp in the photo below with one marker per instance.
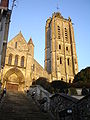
(69, 111)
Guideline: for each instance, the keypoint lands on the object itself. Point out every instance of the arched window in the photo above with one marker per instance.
(22, 61)
(15, 44)
(10, 59)
(16, 60)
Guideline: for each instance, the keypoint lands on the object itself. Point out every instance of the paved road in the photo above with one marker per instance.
(17, 106)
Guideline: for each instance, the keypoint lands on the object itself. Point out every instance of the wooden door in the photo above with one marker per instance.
(12, 87)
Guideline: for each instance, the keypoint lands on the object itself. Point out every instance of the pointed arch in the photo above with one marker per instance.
(14, 71)
(22, 61)
(10, 59)
(16, 60)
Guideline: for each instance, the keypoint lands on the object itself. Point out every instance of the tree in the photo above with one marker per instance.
(83, 75)
(44, 83)
(59, 86)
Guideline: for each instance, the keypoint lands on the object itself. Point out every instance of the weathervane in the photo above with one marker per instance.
(57, 7)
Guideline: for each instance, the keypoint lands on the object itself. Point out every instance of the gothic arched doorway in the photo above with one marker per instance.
(14, 80)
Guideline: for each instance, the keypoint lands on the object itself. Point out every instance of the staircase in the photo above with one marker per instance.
(17, 106)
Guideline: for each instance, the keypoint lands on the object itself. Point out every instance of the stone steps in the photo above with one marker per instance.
(17, 106)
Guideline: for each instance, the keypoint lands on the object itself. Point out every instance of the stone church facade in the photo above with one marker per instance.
(60, 50)
(21, 69)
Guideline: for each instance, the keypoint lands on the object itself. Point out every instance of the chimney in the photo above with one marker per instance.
(4, 3)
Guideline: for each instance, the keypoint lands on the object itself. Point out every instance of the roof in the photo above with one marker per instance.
(30, 42)
(86, 97)
(65, 96)
(19, 34)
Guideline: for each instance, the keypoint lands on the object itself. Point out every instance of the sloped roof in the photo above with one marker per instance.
(64, 96)
(19, 34)
(30, 42)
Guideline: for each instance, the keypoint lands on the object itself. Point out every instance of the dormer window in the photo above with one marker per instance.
(15, 44)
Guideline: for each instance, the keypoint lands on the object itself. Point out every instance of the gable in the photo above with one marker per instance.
(18, 43)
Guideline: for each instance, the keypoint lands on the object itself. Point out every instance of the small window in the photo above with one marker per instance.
(59, 46)
(68, 61)
(15, 44)
(66, 48)
(60, 60)
(69, 80)
(62, 79)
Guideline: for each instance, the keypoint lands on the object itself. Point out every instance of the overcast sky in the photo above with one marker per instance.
(29, 17)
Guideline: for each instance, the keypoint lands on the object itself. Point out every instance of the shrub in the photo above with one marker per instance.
(83, 75)
(72, 91)
(44, 83)
(59, 86)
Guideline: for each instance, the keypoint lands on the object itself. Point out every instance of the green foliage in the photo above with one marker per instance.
(57, 84)
(44, 83)
(53, 87)
(83, 75)
(72, 91)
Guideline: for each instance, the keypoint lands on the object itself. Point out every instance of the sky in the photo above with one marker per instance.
(29, 17)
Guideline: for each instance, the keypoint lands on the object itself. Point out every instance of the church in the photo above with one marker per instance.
(21, 69)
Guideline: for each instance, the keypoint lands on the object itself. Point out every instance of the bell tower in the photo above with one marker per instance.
(60, 49)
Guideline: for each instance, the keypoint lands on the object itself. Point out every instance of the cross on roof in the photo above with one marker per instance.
(57, 7)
